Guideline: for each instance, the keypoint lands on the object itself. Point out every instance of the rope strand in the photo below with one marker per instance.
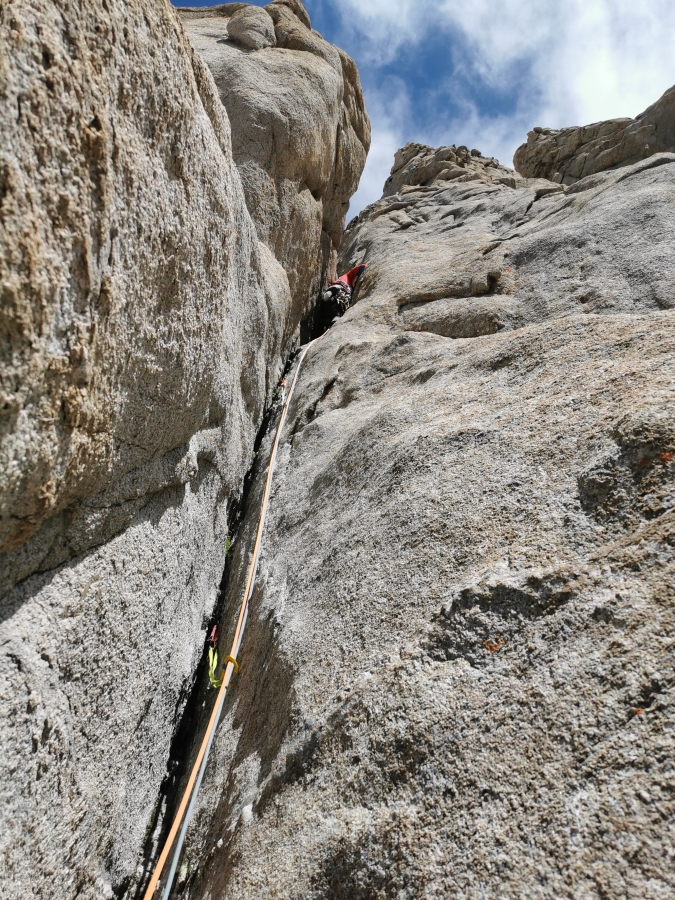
(197, 773)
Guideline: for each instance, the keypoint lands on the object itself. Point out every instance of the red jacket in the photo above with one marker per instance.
(350, 278)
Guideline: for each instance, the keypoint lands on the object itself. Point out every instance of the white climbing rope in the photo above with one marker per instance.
(189, 799)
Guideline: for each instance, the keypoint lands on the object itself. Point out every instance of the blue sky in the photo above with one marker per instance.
(484, 72)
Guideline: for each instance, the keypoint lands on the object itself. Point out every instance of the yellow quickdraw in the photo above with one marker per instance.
(213, 666)
(234, 663)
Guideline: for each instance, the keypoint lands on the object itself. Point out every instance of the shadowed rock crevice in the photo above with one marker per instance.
(260, 711)
(197, 703)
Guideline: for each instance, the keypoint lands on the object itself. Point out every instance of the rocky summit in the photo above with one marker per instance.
(457, 677)
(569, 154)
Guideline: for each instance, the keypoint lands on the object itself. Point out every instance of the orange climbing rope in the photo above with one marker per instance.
(230, 665)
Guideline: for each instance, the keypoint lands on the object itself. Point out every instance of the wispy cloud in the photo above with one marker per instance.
(597, 59)
(389, 110)
(484, 72)
(510, 65)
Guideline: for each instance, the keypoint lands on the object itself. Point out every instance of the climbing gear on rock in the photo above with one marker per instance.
(338, 295)
(213, 666)
(185, 811)
(213, 658)
(234, 662)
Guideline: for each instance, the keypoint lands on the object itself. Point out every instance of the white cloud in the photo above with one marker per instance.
(584, 60)
(590, 60)
(385, 143)
(389, 110)
(384, 25)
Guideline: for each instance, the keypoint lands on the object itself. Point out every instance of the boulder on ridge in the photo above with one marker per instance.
(569, 154)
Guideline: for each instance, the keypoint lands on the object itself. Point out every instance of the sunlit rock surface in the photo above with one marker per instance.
(300, 133)
(458, 675)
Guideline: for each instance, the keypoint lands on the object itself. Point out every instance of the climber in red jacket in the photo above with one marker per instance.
(350, 278)
(338, 297)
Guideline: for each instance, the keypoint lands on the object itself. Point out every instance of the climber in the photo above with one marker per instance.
(350, 278)
(338, 297)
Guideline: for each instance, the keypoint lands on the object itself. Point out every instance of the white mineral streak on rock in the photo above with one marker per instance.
(475, 504)
(145, 320)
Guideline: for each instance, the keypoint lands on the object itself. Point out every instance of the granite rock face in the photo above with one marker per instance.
(569, 154)
(458, 679)
(300, 133)
(144, 326)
